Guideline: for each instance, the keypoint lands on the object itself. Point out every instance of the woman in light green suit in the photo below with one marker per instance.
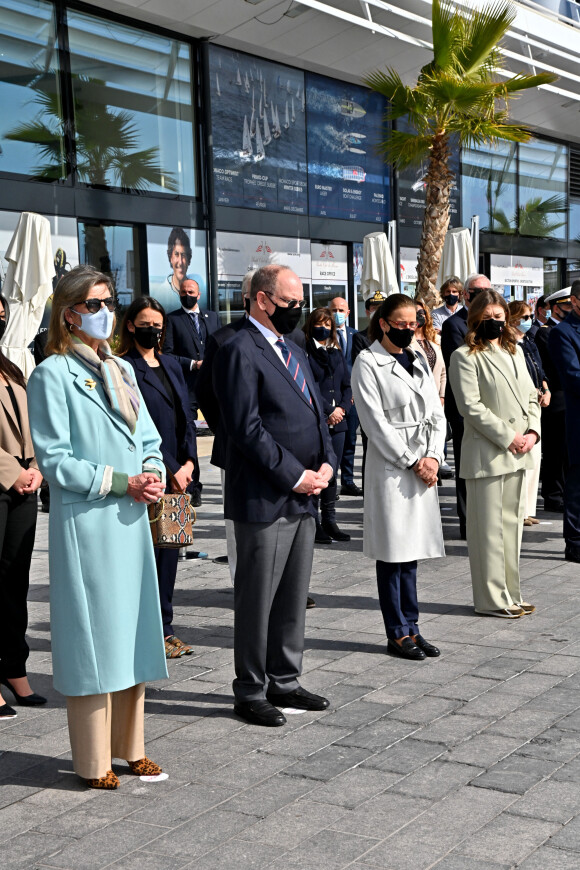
(501, 415)
(99, 450)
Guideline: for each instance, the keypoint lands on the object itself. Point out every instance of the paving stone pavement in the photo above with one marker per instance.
(466, 762)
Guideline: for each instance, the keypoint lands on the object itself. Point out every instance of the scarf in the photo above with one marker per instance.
(120, 388)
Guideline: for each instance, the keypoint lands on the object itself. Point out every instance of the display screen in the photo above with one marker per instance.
(258, 113)
(411, 190)
(347, 177)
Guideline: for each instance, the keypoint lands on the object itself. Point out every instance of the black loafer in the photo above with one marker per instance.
(310, 603)
(572, 554)
(351, 489)
(32, 700)
(428, 648)
(6, 712)
(299, 698)
(406, 650)
(322, 537)
(260, 713)
(334, 532)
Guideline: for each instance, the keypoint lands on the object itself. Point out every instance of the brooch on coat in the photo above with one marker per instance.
(90, 384)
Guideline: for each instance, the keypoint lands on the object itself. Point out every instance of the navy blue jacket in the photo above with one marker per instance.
(557, 402)
(564, 347)
(533, 360)
(348, 355)
(453, 334)
(183, 343)
(273, 433)
(331, 374)
(178, 444)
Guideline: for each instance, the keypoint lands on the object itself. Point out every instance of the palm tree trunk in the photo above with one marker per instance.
(439, 180)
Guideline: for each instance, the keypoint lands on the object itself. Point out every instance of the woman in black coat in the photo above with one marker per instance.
(164, 391)
(331, 374)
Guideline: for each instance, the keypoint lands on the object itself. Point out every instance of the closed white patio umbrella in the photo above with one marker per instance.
(27, 287)
(457, 257)
(378, 271)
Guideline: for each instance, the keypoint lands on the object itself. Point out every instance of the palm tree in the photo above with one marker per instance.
(458, 94)
(533, 218)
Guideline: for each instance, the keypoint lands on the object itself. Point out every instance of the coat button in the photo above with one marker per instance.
(132, 449)
(512, 419)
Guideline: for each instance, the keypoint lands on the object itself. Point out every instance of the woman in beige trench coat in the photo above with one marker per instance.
(400, 411)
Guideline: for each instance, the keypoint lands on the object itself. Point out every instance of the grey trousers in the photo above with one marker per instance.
(270, 589)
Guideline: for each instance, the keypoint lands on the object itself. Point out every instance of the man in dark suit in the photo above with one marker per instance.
(554, 454)
(453, 334)
(278, 456)
(186, 334)
(345, 333)
(564, 347)
(541, 316)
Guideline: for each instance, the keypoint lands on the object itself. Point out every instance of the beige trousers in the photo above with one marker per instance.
(103, 727)
(495, 514)
(533, 481)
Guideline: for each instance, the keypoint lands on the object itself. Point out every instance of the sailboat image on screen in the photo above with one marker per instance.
(266, 103)
(253, 125)
(247, 152)
(267, 134)
(293, 112)
(287, 118)
(260, 153)
(217, 85)
(276, 131)
(238, 80)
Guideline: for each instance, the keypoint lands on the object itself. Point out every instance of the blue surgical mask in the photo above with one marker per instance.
(525, 325)
(99, 325)
(339, 318)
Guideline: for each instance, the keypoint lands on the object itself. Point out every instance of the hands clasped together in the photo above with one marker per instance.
(523, 443)
(28, 481)
(145, 488)
(426, 469)
(314, 482)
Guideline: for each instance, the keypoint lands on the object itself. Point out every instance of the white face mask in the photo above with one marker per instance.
(97, 325)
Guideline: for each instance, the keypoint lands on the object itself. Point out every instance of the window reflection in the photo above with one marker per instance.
(31, 117)
(574, 220)
(488, 187)
(133, 107)
(114, 250)
(543, 183)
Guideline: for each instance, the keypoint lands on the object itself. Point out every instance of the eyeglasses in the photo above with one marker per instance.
(402, 324)
(293, 303)
(94, 305)
(525, 317)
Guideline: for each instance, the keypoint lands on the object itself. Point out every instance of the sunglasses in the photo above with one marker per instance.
(94, 305)
(294, 303)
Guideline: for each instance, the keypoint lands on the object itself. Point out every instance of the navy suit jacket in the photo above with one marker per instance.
(542, 339)
(333, 382)
(178, 444)
(564, 347)
(183, 342)
(348, 355)
(453, 334)
(206, 397)
(273, 433)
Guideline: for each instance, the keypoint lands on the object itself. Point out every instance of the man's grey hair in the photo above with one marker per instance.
(247, 282)
(470, 280)
(265, 279)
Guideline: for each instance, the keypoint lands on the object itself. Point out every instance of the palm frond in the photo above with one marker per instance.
(444, 36)
(523, 82)
(484, 30)
(475, 130)
(404, 149)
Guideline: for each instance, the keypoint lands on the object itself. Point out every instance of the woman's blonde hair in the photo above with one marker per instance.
(475, 314)
(428, 328)
(72, 288)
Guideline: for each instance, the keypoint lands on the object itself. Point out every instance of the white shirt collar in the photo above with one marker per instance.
(192, 310)
(267, 333)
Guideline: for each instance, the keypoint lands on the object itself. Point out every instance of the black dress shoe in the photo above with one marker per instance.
(350, 489)
(260, 713)
(572, 554)
(33, 700)
(428, 648)
(321, 537)
(554, 507)
(6, 712)
(334, 532)
(299, 698)
(406, 650)
(310, 603)
(195, 498)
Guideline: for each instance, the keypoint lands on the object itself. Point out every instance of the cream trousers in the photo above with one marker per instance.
(103, 727)
(533, 481)
(495, 516)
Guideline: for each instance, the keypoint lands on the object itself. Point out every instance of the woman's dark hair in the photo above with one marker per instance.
(178, 236)
(318, 315)
(384, 312)
(126, 338)
(428, 329)
(7, 368)
(517, 310)
(4, 302)
(475, 314)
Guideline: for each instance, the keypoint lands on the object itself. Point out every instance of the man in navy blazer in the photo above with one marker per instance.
(453, 334)
(186, 334)
(345, 333)
(564, 347)
(278, 456)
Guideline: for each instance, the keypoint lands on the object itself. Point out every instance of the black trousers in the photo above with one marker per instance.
(554, 455)
(17, 529)
(166, 559)
(572, 508)
(347, 463)
(460, 491)
(328, 495)
(397, 584)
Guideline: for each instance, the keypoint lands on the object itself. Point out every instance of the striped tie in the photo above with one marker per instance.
(293, 368)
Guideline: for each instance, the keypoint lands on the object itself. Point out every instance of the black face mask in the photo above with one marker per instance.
(450, 300)
(147, 336)
(247, 304)
(321, 333)
(400, 337)
(189, 302)
(420, 318)
(2, 327)
(285, 320)
(490, 329)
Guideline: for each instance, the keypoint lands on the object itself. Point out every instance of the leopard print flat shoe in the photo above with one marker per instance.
(108, 781)
(145, 767)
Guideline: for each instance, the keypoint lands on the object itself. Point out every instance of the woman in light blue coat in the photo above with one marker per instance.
(100, 452)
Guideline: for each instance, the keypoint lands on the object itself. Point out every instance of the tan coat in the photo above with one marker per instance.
(496, 398)
(13, 441)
